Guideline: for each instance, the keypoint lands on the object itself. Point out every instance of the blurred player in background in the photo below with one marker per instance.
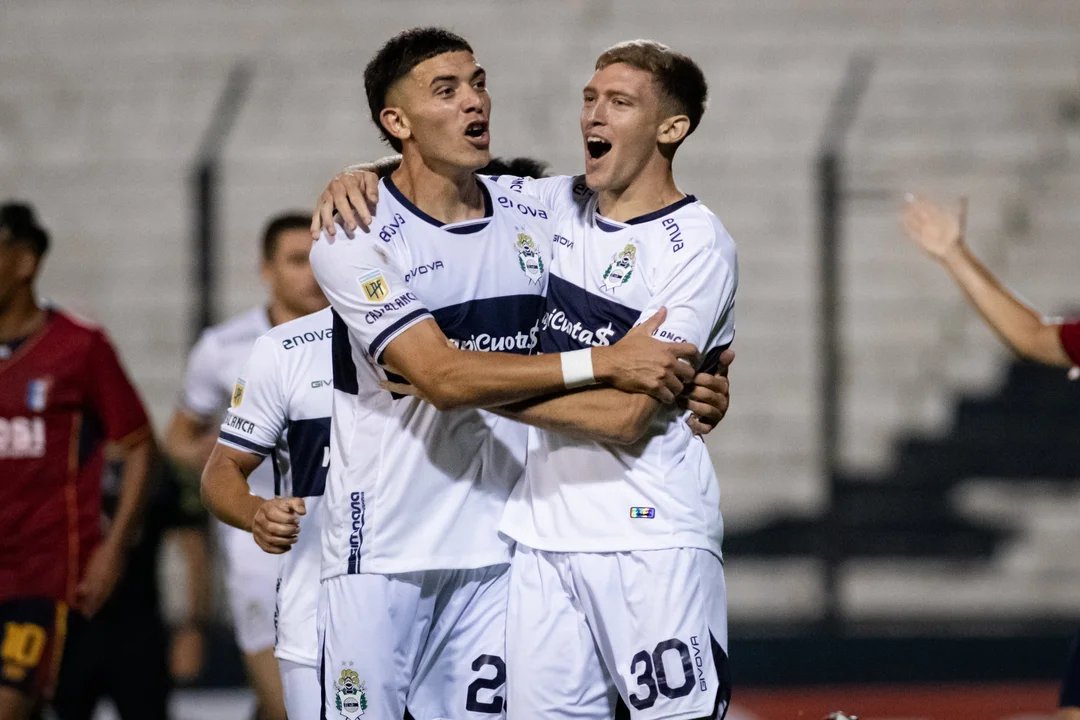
(213, 367)
(65, 401)
(282, 411)
(940, 232)
(123, 652)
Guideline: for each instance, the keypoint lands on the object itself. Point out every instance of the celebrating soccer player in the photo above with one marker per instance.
(396, 269)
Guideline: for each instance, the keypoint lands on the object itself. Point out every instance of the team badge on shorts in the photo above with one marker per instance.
(374, 286)
(237, 393)
(529, 257)
(620, 270)
(351, 694)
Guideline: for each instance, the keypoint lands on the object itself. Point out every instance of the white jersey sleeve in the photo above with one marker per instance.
(548, 190)
(257, 413)
(202, 394)
(696, 282)
(366, 285)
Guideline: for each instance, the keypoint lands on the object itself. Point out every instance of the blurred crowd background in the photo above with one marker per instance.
(890, 475)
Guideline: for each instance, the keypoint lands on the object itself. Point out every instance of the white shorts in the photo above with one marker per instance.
(590, 633)
(431, 642)
(251, 577)
(303, 696)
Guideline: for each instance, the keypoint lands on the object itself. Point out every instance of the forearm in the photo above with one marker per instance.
(600, 414)
(134, 485)
(1017, 324)
(381, 167)
(225, 492)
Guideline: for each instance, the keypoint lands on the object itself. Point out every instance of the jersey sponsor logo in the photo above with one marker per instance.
(390, 230)
(316, 384)
(620, 269)
(305, 338)
(674, 234)
(699, 663)
(237, 394)
(239, 423)
(486, 342)
(22, 437)
(401, 301)
(374, 286)
(642, 513)
(521, 207)
(558, 321)
(350, 694)
(529, 257)
(424, 269)
(357, 506)
(37, 394)
(564, 242)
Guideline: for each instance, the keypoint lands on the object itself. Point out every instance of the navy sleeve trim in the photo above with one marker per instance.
(244, 443)
(385, 335)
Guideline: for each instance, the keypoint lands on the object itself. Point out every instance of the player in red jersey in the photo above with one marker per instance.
(64, 399)
(940, 232)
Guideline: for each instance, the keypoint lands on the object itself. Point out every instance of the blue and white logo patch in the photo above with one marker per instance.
(37, 394)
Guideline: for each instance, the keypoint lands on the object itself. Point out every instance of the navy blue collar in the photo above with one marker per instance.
(614, 226)
(459, 228)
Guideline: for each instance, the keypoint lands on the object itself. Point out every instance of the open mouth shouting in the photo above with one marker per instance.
(477, 133)
(596, 147)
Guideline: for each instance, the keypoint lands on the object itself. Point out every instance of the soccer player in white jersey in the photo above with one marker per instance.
(614, 530)
(213, 366)
(281, 408)
(414, 572)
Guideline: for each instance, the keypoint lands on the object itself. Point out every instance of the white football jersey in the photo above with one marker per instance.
(213, 366)
(281, 408)
(412, 488)
(661, 492)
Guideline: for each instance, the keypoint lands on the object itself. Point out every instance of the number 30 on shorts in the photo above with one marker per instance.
(652, 677)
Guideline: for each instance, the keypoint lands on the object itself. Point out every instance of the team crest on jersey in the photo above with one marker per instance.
(37, 394)
(529, 257)
(351, 694)
(237, 393)
(620, 270)
(374, 286)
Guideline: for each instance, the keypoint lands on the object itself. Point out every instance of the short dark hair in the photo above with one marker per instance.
(279, 224)
(22, 226)
(519, 166)
(679, 77)
(397, 58)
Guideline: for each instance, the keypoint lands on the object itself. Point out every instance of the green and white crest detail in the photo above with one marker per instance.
(621, 268)
(350, 694)
(532, 264)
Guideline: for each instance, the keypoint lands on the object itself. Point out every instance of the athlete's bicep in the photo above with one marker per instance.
(417, 351)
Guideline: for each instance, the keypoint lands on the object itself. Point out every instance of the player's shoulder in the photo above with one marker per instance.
(690, 227)
(75, 331)
(513, 199)
(242, 328)
(305, 331)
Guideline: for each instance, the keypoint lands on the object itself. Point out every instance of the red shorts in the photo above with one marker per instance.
(32, 635)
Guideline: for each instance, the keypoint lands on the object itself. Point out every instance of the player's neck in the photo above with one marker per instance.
(447, 194)
(21, 316)
(651, 190)
(279, 313)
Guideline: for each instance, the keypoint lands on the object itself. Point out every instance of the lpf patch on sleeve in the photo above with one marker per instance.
(374, 286)
(237, 393)
(642, 513)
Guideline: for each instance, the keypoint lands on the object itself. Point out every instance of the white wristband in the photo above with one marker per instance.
(577, 370)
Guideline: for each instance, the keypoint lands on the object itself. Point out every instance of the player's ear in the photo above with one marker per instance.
(673, 130)
(395, 122)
